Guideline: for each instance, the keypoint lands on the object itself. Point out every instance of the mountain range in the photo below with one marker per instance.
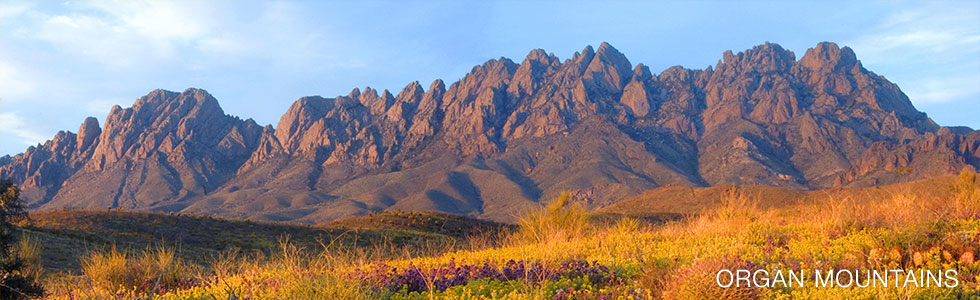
(503, 138)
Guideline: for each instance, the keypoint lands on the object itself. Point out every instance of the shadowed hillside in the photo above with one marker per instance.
(66, 235)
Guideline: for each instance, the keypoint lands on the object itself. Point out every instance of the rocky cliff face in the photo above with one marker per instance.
(504, 137)
(167, 147)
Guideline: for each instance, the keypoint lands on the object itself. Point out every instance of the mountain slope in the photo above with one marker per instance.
(504, 137)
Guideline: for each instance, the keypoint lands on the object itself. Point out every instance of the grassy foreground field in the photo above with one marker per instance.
(558, 253)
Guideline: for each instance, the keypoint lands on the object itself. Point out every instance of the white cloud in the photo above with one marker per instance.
(929, 28)
(167, 20)
(17, 126)
(126, 33)
(944, 89)
(10, 9)
(16, 84)
(930, 51)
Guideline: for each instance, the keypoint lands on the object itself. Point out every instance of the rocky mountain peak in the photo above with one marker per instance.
(500, 65)
(530, 74)
(88, 133)
(160, 101)
(427, 116)
(412, 90)
(839, 80)
(642, 73)
(677, 74)
(765, 58)
(541, 57)
(62, 143)
(614, 68)
(354, 94)
(610, 55)
(638, 95)
(437, 85)
(581, 60)
(585, 55)
(160, 119)
(827, 57)
(387, 98)
(304, 110)
(405, 105)
(368, 97)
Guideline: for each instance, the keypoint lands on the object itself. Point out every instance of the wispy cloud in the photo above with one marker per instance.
(17, 84)
(942, 89)
(12, 9)
(16, 126)
(930, 51)
(126, 33)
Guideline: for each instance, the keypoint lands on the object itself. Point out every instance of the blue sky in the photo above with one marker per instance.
(61, 61)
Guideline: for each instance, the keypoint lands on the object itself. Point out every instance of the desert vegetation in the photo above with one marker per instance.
(563, 251)
(19, 267)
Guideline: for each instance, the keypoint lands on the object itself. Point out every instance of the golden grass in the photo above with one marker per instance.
(559, 220)
(676, 260)
(114, 272)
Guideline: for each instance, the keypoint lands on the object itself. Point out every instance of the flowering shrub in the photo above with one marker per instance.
(417, 279)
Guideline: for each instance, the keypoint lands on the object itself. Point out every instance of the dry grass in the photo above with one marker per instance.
(560, 220)
(227, 263)
(154, 270)
(900, 209)
(736, 211)
(29, 249)
(736, 204)
(657, 275)
(697, 281)
(966, 203)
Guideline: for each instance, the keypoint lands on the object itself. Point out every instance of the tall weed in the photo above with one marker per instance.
(560, 220)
